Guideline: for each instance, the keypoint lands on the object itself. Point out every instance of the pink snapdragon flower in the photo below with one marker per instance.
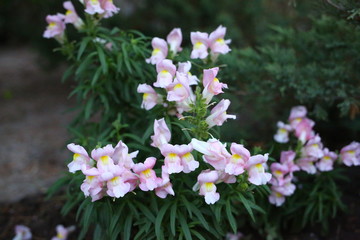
(56, 27)
(237, 236)
(279, 171)
(146, 174)
(179, 90)
(276, 198)
(184, 67)
(160, 51)
(122, 157)
(92, 185)
(200, 45)
(218, 114)
(350, 154)
(105, 164)
(287, 158)
(93, 6)
(206, 180)
(80, 158)
(214, 152)
(211, 84)
(117, 186)
(286, 188)
(166, 72)
(313, 148)
(178, 158)
(217, 43)
(296, 115)
(327, 161)
(71, 16)
(282, 134)
(22, 233)
(256, 168)
(109, 8)
(307, 164)
(164, 185)
(150, 97)
(162, 134)
(174, 39)
(237, 161)
(63, 232)
(304, 130)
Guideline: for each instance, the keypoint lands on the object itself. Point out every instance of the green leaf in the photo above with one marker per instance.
(83, 46)
(145, 211)
(230, 216)
(173, 211)
(184, 226)
(102, 58)
(246, 204)
(127, 226)
(159, 219)
(198, 235)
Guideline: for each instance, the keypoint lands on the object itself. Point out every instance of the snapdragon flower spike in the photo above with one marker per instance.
(214, 151)
(56, 27)
(185, 67)
(109, 8)
(150, 97)
(256, 169)
(162, 134)
(237, 161)
(327, 161)
(313, 148)
(80, 158)
(287, 158)
(174, 39)
(200, 45)
(276, 198)
(63, 232)
(122, 157)
(71, 16)
(212, 85)
(350, 154)
(218, 114)
(22, 233)
(160, 51)
(92, 185)
(146, 174)
(179, 90)
(307, 164)
(93, 6)
(217, 43)
(282, 134)
(206, 180)
(164, 185)
(166, 72)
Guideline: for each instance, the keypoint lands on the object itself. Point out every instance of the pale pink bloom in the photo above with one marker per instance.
(187, 159)
(146, 174)
(206, 180)
(92, 185)
(350, 154)
(217, 42)
(256, 169)
(313, 148)
(218, 114)
(237, 161)
(56, 27)
(166, 72)
(63, 232)
(214, 152)
(200, 45)
(307, 164)
(109, 8)
(278, 171)
(327, 161)
(105, 163)
(164, 185)
(80, 157)
(71, 16)
(117, 186)
(131, 178)
(296, 115)
(179, 90)
(304, 130)
(172, 159)
(287, 188)
(184, 67)
(174, 39)
(225, 177)
(162, 134)
(22, 233)
(237, 236)
(282, 134)
(97, 153)
(93, 6)
(150, 97)
(122, 157)
(287, 158)
(160, 51)
(276, 198)
(212, 85)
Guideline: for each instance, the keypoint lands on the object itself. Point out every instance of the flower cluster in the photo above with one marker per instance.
(57, 23)
(311, 157)
(23, 232)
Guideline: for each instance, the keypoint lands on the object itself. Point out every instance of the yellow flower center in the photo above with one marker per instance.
(52, 25)
(278, 173)
(94, 1)
(188, 157)
(115, 180)
(278, 195)
(155, 51)
(59, 235)
(146, 96)
(68, 12)
(209, 186)
(105, 160)
(178, 86)
(76, 156)
(220, 40)
(282, 130)
(235, 158)
(147, 173)
(327, 158)
(259, 167)
(198, 45)
(216, 80)
(352, 152)
(90, 178)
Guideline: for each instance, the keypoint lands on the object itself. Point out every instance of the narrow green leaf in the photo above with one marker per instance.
(127, 226)
(200, 216)
(83, 46)
(102, 59)
(96, 77)
(159, 219)
(145, 211)
(230, 216)
(184, 226)
(198, 235)
(245, 202)
(173, 211)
